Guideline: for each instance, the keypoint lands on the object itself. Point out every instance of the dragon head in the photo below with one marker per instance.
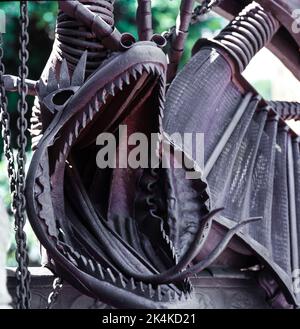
(86, 217)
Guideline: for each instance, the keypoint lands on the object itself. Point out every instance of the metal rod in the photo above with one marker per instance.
(178, 39)
(109, 36)
(229, 130)
(11, 84)
(144, 20)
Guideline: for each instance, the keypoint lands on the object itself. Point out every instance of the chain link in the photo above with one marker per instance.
(57, 287)
(22, 273)
(17, 179)
(204, 8)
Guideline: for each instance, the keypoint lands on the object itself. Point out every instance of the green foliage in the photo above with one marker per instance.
(164, 17)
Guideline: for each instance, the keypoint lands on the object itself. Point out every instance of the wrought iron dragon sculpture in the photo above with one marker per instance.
(132, 238)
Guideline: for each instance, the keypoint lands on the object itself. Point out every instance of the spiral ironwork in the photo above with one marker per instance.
(250, 31)
(73, 37)
(287, 110)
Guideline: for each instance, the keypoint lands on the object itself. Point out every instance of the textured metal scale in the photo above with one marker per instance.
(296, 155)
(280, 208)
(251, 155)
(206, 71)
(236, 201)
(261, 197)
(219, 175)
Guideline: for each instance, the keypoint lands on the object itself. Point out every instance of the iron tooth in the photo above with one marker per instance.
(126, 78)
(110, 275)
(153, 70)
(173, 295)
(147, 68)
(111, 89)
(35, 124)
(122, 281)
(159, 295)
(84, 260)
(91, 112)
(34, 131)
(133, 286)
(119, 84)
(150, 290)
(134, 74)
(139, 69)
(91, 265)
(176, 296)
(189, 288)
(64, 77)
(161, 94)
(52, 82)
(141, 286)
(99, 98)
(158, 70)
(174, 252)
(188, 295)
(70, 141)
(79, 72)
(84, 119)
(99, 267)
(76, 254)
(71, 258)
(42, 87)
(96, 104)
(167, 239)
(77, 124)
(65, 148)
(103, 96)
(181, 296)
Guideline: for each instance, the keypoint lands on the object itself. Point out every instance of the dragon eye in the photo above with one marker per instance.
(57, 100)
(61, 97)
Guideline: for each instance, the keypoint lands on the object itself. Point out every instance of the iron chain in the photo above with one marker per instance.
(57, 287)
(22, 273)
(17, 179)
(204, 8)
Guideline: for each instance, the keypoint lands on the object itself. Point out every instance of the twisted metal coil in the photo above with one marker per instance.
(73, 38)
(250, 31)
(287, 110)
